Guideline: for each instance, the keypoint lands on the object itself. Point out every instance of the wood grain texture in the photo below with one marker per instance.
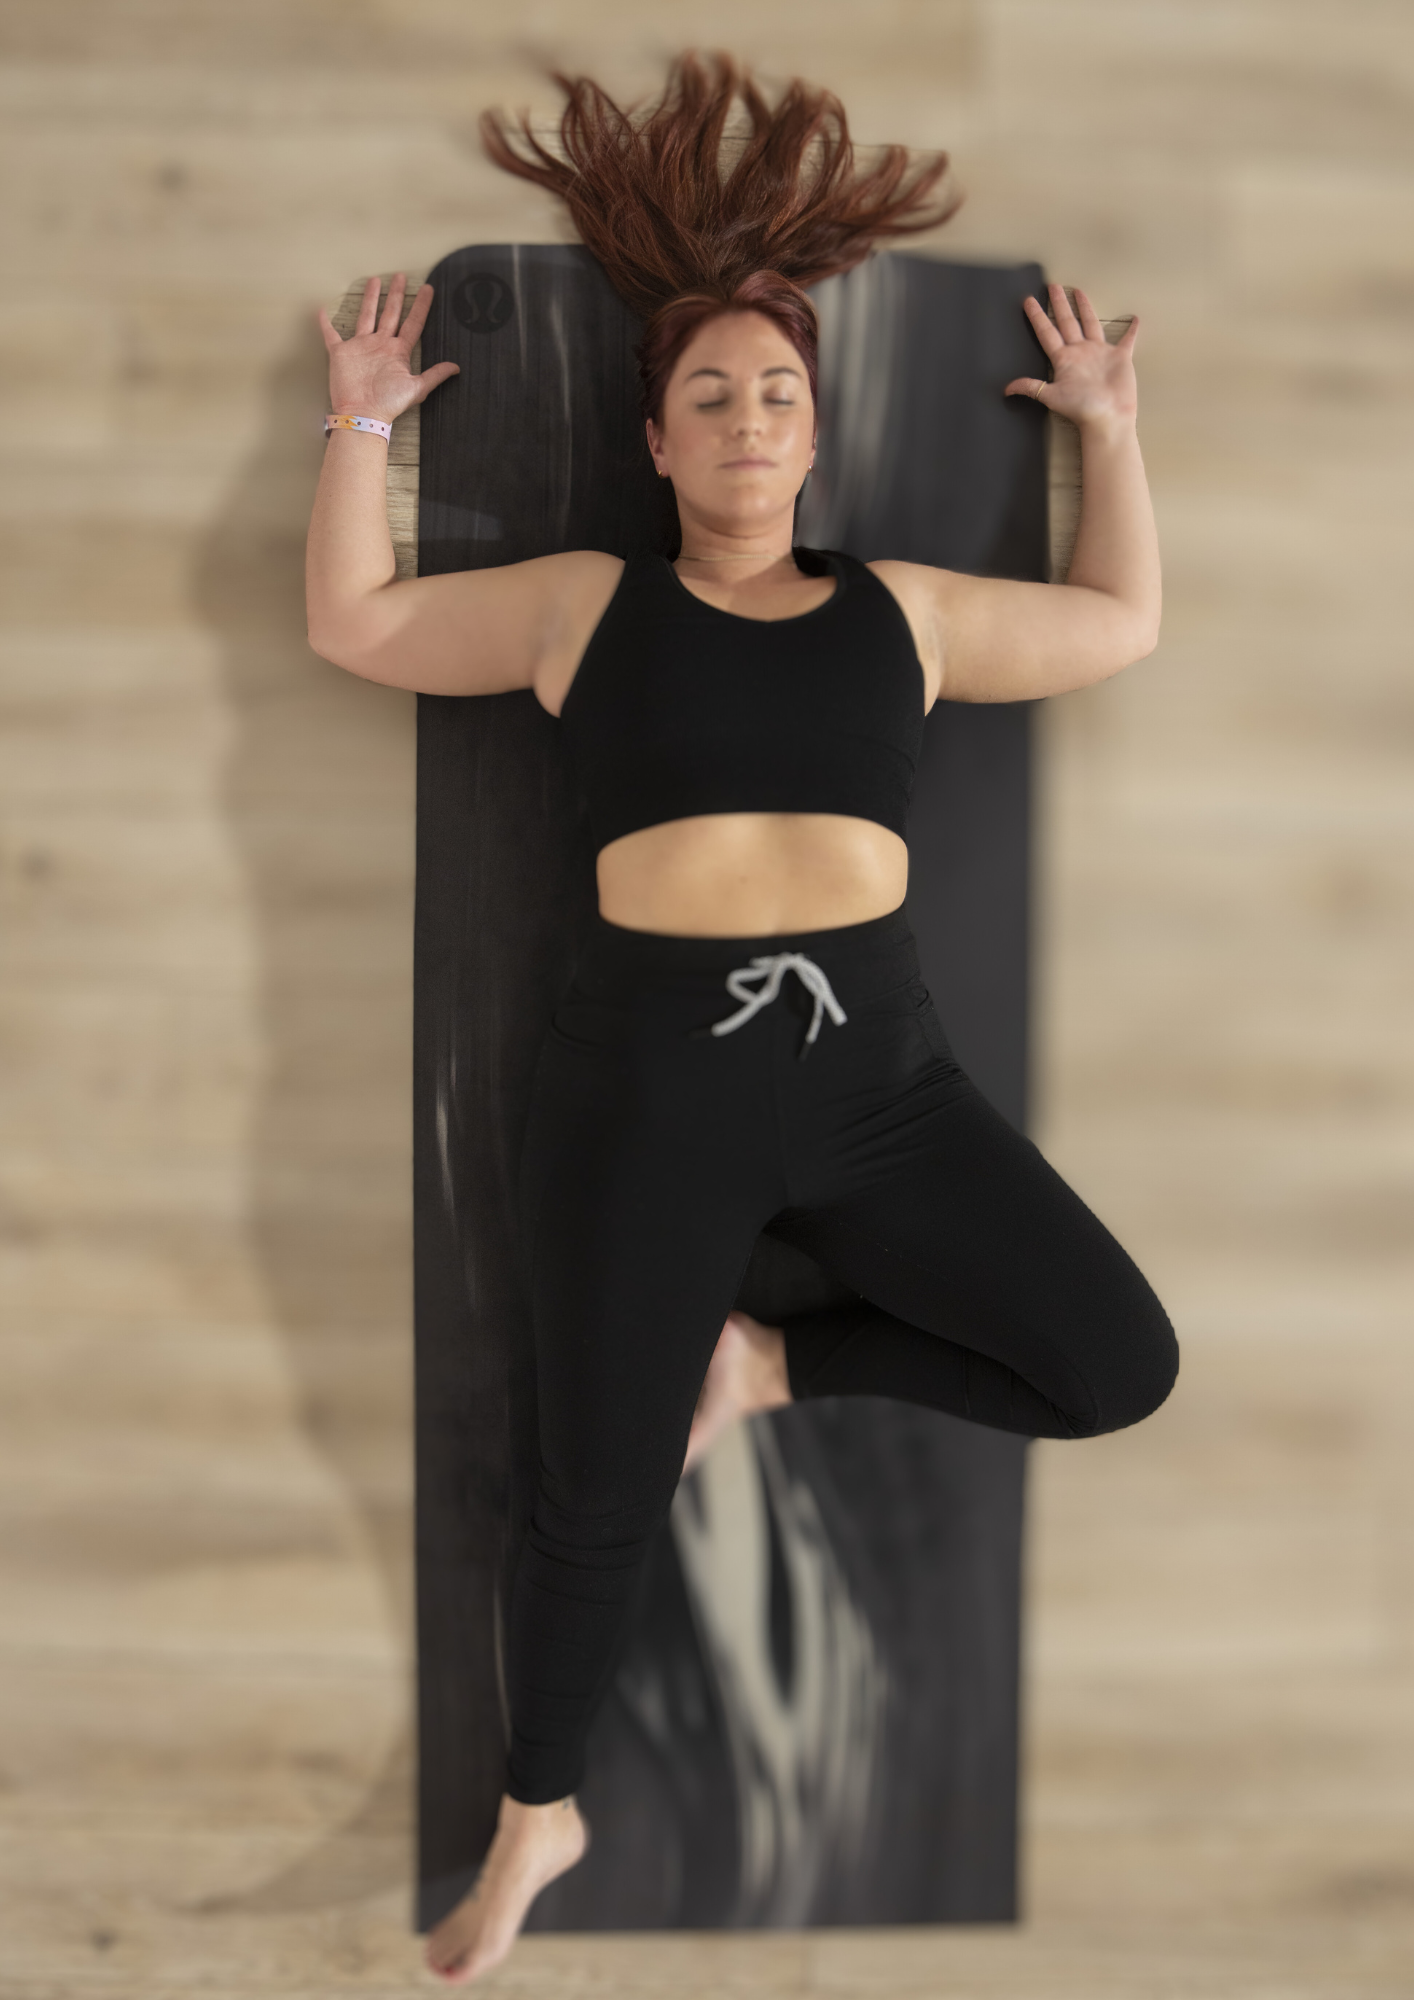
(207, 899)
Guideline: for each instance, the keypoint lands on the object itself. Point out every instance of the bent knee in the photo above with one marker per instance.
(1144, 1368)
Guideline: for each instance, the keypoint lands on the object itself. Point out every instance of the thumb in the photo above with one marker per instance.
(1027, 385)
(433, 378)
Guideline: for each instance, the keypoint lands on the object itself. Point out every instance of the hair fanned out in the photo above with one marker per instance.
(684, 235)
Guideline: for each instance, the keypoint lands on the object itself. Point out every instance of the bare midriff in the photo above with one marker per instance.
(752, 874)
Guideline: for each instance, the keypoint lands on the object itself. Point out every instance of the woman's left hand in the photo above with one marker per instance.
(1093, 382)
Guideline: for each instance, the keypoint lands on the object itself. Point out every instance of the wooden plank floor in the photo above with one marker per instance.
(205, 862)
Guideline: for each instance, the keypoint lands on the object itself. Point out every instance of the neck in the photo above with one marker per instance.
(743, 555)
(716, 543)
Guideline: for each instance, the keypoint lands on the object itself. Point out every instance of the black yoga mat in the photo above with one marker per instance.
(815, 1719)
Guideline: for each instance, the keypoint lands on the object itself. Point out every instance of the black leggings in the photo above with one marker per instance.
(657, 1151)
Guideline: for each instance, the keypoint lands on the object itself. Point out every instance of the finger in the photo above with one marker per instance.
(1044, 328)
(332, 336)
(1028, 385)
(433, 378)
(393, 304)
(1126, 339)
(417, 315)
(368, 309)
(1090, 324)
(1064, 313)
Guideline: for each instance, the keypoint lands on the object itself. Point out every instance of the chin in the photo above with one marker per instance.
(746, 500)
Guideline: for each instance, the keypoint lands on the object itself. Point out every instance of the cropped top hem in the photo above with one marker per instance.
(680, 709)
(833, 811)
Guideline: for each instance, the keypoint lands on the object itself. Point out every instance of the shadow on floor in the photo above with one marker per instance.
(319, 794)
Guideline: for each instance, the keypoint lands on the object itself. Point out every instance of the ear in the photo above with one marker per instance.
(655, 445)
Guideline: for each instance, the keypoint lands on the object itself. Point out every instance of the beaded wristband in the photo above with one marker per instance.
(358, 424)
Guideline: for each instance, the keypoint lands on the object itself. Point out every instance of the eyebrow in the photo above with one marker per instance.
(783, 368)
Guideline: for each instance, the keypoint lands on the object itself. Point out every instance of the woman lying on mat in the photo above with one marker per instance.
(747, 1039)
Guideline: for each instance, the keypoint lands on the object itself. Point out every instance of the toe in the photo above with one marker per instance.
(444, 1960)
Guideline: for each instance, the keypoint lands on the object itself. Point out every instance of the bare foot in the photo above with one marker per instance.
(533, 1845)
(747, 1373)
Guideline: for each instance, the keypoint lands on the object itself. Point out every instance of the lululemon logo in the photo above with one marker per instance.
(483, 303)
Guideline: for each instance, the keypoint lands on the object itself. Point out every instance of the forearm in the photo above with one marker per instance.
(349, 554)
(1002, 641)
(1116, 544)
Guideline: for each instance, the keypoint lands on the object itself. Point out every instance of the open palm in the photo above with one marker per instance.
(370, 373)
(1092, 380)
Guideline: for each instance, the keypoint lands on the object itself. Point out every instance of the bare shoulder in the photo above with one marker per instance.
(562, 582)
(578, 569)
(922, 592)
(592, 575)
(548, 588)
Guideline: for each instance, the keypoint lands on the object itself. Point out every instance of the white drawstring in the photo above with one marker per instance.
(771, 970)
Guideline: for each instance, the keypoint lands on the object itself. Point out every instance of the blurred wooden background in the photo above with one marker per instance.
(206, 868)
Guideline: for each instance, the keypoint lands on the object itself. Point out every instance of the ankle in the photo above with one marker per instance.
(770, 1374)
(774, 1375)
(522, 1822)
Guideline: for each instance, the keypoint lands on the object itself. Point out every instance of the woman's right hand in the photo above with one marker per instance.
(370, 373)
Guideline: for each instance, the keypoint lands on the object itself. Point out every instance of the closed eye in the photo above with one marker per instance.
(771, 402)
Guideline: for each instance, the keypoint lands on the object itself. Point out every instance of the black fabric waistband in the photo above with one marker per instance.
(861, 961)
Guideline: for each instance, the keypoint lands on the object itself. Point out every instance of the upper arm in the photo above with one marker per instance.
(984, 638)
(481, 631)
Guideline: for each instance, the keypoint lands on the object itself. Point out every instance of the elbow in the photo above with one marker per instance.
(317, 642)
(328, 649)
(318, 626)
(333, 642)
(352, 632)
(1140, 637)
(1146, 639)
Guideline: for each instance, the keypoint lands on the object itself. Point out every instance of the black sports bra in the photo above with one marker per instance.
(680, 708)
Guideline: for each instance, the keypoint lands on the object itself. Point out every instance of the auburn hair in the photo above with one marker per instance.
(684, 236)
